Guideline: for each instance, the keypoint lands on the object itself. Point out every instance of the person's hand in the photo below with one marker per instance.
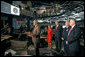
(31, 34)
(62, 38)
(28, 33)
(67, 42)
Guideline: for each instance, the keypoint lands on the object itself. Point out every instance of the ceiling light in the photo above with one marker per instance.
(78, 19)
(22, 8)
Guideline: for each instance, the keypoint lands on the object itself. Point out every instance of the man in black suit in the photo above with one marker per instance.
(58, 35)
(64, 37)
(73, 38)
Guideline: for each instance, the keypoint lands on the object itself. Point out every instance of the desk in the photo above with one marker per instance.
(5, 43)
(22, 55)
(6, 37)
(43, 37)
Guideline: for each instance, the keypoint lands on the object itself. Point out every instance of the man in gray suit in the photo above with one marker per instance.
(36, 36)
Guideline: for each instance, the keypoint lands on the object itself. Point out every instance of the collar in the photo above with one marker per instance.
(67, 27)
(57, 25)
(36, 25)
(73, 26)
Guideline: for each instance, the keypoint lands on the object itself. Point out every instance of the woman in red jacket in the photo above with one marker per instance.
(49, 36)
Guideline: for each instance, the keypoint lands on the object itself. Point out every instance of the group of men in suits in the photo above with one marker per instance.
(70, 36)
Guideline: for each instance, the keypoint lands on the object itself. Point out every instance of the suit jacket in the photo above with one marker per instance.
(58, 32)
(65, 33)
(73, 39)
(36, 32)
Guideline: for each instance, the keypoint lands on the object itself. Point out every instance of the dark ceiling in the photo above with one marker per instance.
(69, 6)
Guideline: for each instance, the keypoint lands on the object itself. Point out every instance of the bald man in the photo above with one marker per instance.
(73, 38)
(64, 37)
(58, 35)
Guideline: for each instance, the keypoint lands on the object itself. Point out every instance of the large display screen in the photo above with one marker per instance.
(9, 9)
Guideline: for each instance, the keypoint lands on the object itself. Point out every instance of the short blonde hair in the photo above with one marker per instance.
(73, 20)
(35, 20)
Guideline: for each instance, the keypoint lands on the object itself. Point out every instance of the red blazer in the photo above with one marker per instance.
(49, 35)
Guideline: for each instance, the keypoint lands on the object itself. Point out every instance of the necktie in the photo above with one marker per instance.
(56, 28)
(69, 33)
(34, 28)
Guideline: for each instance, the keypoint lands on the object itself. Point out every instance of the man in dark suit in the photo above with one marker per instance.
(64, 37)
(58, 35)
(73, 38)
